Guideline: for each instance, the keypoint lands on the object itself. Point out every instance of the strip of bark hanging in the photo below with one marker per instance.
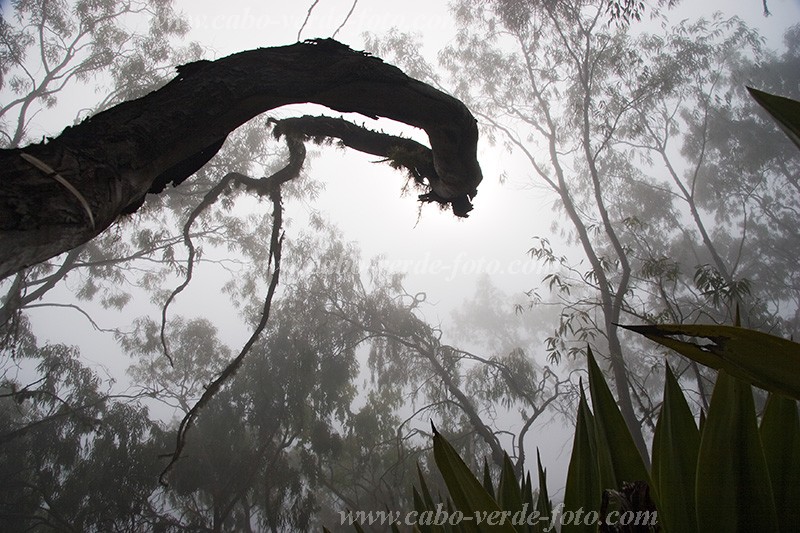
(116, 157)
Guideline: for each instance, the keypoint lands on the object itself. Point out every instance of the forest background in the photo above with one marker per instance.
(628, 178)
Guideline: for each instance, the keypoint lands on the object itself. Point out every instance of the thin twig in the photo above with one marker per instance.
(349, 13)
(308, 16)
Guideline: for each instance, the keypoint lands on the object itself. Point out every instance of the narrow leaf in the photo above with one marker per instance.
(764, 360)
(583, 489)
(508, 491)
(612, 431)
(543, 503)
(785, 111)
(487, 478)
(675, 447)
(733, 491)
(466, 491)
(427, 499)
(780, 437)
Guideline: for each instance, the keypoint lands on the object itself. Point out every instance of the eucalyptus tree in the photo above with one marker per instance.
(421, 376)
(576, 98)
(725, 250)
(72, 457)
(544, 78)
(50, 46)
(160, 146)
(245, 467)
(53, 48)
(259, 447)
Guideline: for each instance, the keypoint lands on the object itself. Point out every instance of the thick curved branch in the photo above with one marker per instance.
(399, 152)
(116, 157)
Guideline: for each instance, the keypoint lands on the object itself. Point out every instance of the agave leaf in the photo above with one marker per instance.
(427, 499)
(613, 434)
(419, 502)
(543, 503)
(785, 111)
(527, 491)
(733, 490)
(780, 437)
(583, 490)
(487, 478)
(764, 360)
(675, 448)
(508, 490)
(466, 491)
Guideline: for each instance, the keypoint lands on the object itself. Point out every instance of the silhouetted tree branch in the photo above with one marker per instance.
(59, 194)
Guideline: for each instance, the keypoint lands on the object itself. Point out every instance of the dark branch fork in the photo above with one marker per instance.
(116, 157)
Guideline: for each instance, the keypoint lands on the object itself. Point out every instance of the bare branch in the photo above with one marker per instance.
(297, 155)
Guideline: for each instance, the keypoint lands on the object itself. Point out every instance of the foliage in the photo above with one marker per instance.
(785, 111)
(764, 360)
(75, 42)
(72, 457)
(698, 481)
(679, 202)
(298, 433)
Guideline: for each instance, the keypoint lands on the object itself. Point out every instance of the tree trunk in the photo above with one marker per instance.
(63, 192)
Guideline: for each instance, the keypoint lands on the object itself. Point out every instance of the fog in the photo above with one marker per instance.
(639, 184)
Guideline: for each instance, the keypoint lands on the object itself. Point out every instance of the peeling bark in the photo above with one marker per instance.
(116, 157)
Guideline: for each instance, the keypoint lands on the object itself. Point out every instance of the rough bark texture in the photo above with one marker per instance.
(116, 157)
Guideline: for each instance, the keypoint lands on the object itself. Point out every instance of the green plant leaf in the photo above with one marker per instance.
(423, 501)
(780, 438)
(529, 504)
(427, 499)
(543, 503)
(419, 502)
(466, 491)
(733, 491)
(527, 491)
(487, 478)
(508, 491)
(612, 433)
(763, 360)
(583, 490)
(785, 111)
(675, 447)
